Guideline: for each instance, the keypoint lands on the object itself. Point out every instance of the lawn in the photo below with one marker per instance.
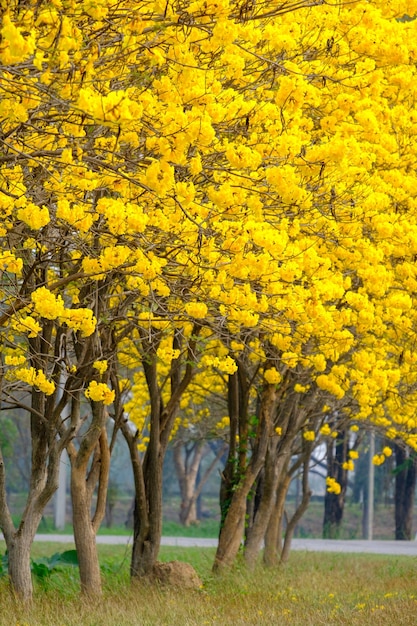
(311, 590)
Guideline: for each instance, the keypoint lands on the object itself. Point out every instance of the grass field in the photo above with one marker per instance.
(311, 524)
(311, 590)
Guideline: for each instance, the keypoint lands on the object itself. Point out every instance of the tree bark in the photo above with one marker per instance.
(231, 533)
(84, 535)
(147, 517)
(337, 454)
(273, 534)
(187, 463)
(83, 483)
(147, 538)
(300, 510)
(256, 534)
(43, 484)
(405, 484)
(20, 575)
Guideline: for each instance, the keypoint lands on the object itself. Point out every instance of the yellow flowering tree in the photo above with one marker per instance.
(245, 167)
(52, 355)
(162, 361)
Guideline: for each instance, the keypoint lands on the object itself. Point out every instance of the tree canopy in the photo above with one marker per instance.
(210, 185)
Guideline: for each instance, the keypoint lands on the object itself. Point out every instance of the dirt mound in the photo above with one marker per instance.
(177, 574)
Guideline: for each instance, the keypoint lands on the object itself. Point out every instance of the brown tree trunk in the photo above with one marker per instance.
(231, 533)
(148, 502)
(147, 539)
(147, 536)
(46, 450)
(231, 470)
(187, 462)
(273, 534)
(256, 534)
(84, 535)
(20, 575)
(140, 509)
(83, 483)
(405, 484)
(337, 454)
(290, 416)
(301, 508)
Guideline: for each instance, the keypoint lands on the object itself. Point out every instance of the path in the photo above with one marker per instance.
(408, 548)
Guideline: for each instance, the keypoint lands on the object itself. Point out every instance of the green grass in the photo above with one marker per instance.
(207, 528)
(311, 590)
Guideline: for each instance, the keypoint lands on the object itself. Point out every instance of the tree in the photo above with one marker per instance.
(34, 356)
(337, 467)
(223, 171)
(405, 487)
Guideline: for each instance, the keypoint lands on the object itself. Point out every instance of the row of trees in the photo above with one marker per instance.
(200, 200)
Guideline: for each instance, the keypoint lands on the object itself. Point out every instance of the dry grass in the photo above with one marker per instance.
(312, 590)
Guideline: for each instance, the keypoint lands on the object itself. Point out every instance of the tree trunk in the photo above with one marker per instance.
(148, 479)
(147, 538)
(231, 533)
(405, 484)
(83, 483)
(337, 454)
(256, 534)
(20, 575)
(84, 535)
(43, 484)
(187, 463)
(301, 508)
(140, 506)
(273, 534)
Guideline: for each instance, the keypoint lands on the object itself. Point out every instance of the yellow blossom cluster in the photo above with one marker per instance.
(253, 175)
(333, 486)
(309, 435)
(99, 392)
(33, 377)
(100, 366)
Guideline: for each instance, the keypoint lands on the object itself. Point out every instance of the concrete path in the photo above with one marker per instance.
(408, 548)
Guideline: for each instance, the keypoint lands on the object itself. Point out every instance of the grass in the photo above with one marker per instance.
(311, 590)
(207, 528)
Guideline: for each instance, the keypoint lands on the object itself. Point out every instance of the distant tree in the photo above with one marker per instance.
(405, 474)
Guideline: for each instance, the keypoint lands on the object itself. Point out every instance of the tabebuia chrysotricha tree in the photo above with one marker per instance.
(241, 169)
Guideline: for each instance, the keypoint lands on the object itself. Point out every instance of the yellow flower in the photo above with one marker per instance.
(272, 376)
(309, 435)
(196, 309)
(15, 46)
(353, 454)
(325, 430)
(99, 392)
(14, 359)
(224, 423)
(35, 378)
(100, 366)
(333, 486)
(378, 459)
(47, 304)
(301, 388)
(35, 217)
(80, 319)
(348, 465)
(9, 262)
(27, 325)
